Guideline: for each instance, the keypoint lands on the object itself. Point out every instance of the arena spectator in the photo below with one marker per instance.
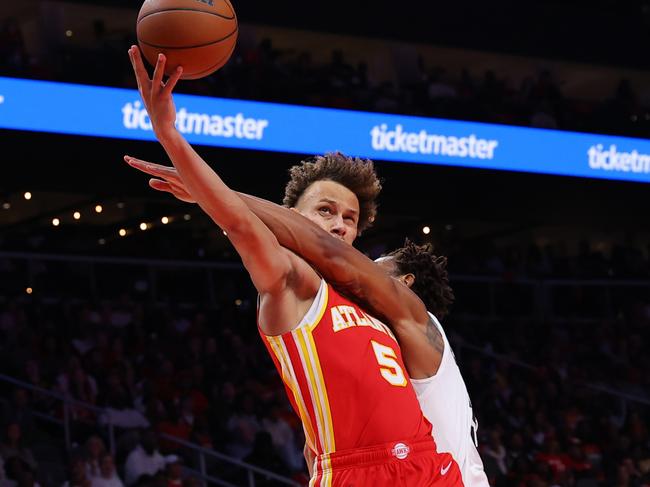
(145, 459)
(243, 426)
(13, 446)
(77, 474)
(174, 471)
(107, 475)
(282, 436)
(94, 449)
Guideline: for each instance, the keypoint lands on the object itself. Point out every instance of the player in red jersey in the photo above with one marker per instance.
(336, 361)
(431, 364)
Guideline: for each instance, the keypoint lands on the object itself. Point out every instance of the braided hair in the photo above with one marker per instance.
(431, 276)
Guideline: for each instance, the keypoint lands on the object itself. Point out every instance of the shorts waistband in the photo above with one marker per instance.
(397, 450)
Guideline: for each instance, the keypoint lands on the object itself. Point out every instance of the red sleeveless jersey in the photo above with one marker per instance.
(344, 375)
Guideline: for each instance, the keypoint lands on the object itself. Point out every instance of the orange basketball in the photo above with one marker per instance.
(199, 35)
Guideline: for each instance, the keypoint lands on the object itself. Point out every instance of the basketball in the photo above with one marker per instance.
(199, 35)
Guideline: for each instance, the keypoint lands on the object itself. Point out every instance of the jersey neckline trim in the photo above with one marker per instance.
(314, 313)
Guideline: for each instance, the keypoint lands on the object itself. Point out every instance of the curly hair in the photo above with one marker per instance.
(358, 175)
(431, 276)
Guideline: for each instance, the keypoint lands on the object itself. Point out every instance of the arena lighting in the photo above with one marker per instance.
(68, 33)
(29, 290)
(238, 302)
(426, 230)
(56, 222)
(120, 205)
(122, 232)
(101, 241)
(27, 195)
(187, 217)
(6, 205)
(98, 209)
(164, 220)
(144, 226)
(76, 215)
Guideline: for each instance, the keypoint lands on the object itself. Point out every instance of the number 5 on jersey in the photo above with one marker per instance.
(388, 366)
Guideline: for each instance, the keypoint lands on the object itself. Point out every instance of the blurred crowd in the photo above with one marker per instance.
(156, 373)
(556, 259)
(162, 373)
(544, 419)
(264, 72)
(560, 384)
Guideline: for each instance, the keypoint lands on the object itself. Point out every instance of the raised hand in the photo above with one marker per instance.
(156, 94)
(166, 178)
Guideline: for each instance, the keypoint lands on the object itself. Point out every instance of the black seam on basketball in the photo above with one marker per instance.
(189, 47)
(149, 14)
(221, 62)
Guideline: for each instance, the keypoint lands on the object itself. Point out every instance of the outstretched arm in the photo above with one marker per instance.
(270, 266)
(349, 270)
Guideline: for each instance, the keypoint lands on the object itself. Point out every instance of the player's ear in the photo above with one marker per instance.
(408, 279)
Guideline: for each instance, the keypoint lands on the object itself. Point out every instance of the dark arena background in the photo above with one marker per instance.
(127, 317)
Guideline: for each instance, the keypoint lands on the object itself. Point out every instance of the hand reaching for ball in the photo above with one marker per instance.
(166, 178)
(198, 35)
(155, 93)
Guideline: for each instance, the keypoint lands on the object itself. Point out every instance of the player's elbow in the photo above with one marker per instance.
(274, 282)
(239, 226)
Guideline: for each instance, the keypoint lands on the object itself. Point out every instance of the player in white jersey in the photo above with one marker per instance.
(443, 396)
(384, 287)
(450, 411)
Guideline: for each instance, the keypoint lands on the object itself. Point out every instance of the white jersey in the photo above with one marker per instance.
(446, 404)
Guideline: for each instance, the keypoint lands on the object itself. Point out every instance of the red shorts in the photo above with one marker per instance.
(389, 465)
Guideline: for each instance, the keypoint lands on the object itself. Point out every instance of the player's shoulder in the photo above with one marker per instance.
(289, 298)
(434, 319)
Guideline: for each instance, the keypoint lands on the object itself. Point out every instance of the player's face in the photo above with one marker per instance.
(333, 207)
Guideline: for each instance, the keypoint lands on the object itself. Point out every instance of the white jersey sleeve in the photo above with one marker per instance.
(446, 404)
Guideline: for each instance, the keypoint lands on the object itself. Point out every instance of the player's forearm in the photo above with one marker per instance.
(213, 195)
(267, 263)
(301, 236)
(349, 270)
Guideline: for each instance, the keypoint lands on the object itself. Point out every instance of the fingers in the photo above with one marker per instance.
(160, 185)
(141, 74)
(155, 86)
(179, 193)
(135, 71)
(140, 165)
(171, 82)
(165, 172)
(169, 182)
(158, 73)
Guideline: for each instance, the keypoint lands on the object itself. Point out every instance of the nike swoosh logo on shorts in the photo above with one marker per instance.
(444, 470)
